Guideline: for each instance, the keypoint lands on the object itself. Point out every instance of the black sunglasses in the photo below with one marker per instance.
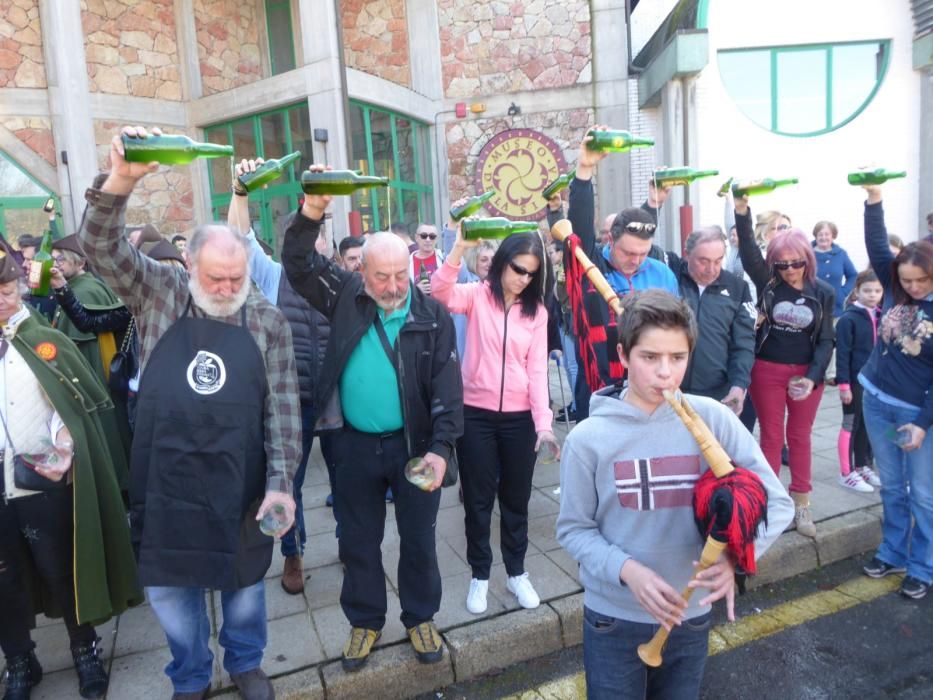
(426, 236)
(789, 264)
(521, 271)
(638, 226)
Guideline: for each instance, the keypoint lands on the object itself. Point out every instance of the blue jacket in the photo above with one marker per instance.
(832, 266)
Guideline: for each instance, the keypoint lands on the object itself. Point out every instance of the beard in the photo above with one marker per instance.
(214, 304)
(390, 301)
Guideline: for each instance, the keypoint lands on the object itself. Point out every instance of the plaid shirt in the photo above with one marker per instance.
(157, 295)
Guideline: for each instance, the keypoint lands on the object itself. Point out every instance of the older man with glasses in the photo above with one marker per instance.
(426, 259)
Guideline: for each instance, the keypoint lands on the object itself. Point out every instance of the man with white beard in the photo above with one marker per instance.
(217, 436)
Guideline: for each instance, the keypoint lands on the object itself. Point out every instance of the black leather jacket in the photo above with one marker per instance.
(428, 373)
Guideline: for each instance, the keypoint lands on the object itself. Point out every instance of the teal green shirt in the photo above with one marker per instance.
(369, 384)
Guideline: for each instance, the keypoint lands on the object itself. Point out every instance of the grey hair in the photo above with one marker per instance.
(472, 254)
(207, 232)
(705, 235)
(382, 240)
(73, 257)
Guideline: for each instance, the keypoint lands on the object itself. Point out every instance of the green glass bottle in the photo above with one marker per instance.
(471, 206)
(40, 268)
(339, 182)
(753, 187)
(170, 149)
(874, 177)
(616, 141)
(669, 177)
(495, 228)
(558, 184)
(267, 172)
(725, 187)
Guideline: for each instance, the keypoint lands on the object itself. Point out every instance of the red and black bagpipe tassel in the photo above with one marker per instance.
(573, 274)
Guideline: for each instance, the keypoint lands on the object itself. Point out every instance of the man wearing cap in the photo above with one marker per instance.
(217, 435)
(64, 543)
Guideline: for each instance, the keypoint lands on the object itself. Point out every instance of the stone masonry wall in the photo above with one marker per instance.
(492, 47)
(465, 140)
(35, 132)
(131, 48)
(228, 43)
(164, 199)
(375, 37)
(21, 61)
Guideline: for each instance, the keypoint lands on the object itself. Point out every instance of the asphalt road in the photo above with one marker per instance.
(879, 648)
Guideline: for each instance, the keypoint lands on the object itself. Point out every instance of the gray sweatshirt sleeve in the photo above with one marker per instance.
(740, 445)
(577, 528)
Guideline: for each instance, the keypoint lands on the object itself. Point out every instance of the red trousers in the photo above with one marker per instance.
(772, 403)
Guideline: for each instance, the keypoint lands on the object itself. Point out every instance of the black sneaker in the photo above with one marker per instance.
(22, 673)
(914, 588)
(92, 678)
(879, 569)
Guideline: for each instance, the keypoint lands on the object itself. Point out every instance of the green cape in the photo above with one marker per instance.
(95, 296)
(104, 566)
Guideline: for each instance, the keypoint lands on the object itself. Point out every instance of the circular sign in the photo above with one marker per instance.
(518, 164)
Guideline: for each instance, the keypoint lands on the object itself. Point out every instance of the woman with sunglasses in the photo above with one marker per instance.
(897, 404)
(792, 350)
(506, 411)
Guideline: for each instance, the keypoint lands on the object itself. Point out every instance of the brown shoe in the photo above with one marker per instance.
(293, 577)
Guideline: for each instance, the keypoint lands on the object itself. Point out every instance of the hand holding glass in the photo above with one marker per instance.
(420, 473)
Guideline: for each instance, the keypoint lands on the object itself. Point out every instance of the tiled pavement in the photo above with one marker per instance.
(309, 630)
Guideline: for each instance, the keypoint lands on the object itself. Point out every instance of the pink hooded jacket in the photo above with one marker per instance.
(505, 364)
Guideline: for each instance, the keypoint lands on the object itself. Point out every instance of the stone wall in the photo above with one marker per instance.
(21, 61)
(375, 38)
(491, 47)
(131, 47)
(164, 199)
(35, 132)
(465, 140)
(228, 43)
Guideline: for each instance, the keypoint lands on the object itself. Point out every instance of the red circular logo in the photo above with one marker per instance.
(47, 351)
(518, 164)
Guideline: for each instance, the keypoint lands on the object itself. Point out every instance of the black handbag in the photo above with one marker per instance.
(123, 365)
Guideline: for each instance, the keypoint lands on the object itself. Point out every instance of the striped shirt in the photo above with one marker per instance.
(157, 295)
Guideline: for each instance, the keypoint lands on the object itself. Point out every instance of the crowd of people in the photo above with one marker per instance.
(183, 382)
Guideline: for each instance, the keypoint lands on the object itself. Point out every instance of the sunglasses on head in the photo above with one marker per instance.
(790, 264)
(638, 226)
(426, 236)
(521, 271)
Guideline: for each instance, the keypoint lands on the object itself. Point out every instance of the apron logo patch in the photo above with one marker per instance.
(206, 373)
(47, 351)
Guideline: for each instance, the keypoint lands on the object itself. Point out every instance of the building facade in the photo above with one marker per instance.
(415, 90)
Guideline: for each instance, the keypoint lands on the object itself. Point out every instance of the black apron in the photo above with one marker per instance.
(198, 465)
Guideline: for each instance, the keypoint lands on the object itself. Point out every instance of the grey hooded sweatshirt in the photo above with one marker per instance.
(627, 492)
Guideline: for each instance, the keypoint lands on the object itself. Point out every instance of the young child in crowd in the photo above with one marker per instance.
(856, 333)
(626, 514)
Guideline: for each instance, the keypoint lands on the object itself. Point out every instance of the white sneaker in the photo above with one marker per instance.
(869, 475)
(476, 598)
(524, 591)
(855, 482)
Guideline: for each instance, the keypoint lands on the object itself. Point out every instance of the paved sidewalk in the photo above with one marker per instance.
(307, 632)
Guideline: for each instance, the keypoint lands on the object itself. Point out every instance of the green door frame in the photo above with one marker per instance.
(26, 201)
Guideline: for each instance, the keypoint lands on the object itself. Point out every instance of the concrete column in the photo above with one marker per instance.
(73, 130)
(926, 150)
(610, 98)
(187, 39)
(671, 145)
(320, 46)
(424, 47)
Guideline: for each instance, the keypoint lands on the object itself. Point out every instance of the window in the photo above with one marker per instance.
(21, 201)
(394, 146)
(804, 90)
(266, 135)
(281, 39)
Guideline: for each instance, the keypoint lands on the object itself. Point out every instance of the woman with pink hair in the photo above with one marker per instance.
(792, 350)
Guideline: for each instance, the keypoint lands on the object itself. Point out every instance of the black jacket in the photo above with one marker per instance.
(725, 347)
(310, 331)
(428, 375)
(821, 298)
(855, 339)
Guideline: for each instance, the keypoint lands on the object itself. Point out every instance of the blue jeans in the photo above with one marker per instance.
(614, 671)
(569, 360)
(183, 616)
(293, 541)
(901, 545)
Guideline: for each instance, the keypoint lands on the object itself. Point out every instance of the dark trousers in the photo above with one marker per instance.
(293, 541)
(853, 421)
(39, 527)
(328, 442)
(366, 465)
(497, 458)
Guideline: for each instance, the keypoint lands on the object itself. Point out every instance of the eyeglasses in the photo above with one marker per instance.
(782, 227)
(790, 264)
(426, 236)
(638, 226)
(58, 258)
(521, 271)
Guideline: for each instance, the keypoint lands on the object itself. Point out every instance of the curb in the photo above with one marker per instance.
(479, 648)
